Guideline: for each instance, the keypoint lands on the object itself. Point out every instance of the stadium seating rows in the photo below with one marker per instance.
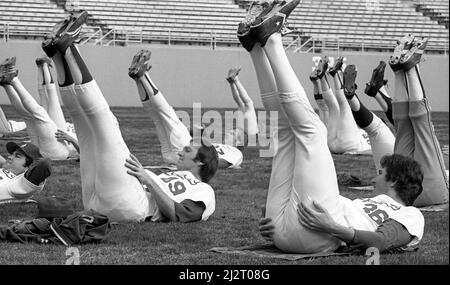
(374, 23)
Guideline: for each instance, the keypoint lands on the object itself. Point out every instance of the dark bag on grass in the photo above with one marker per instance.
(78, 228)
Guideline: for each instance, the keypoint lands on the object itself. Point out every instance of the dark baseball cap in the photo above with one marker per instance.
(29, 149)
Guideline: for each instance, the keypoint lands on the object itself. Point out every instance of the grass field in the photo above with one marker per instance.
(239, 195)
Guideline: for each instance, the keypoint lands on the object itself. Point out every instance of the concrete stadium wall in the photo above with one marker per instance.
(186, 74)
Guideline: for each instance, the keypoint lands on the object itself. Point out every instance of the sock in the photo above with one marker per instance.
(68, 80)
(39, 172)
(152, 85)
(389, 104)
(86, 75)
(363, 117)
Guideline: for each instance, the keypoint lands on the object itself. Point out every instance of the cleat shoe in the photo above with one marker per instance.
(245, 37)
(256, 9)
(322, 68)
(70, 24)
(41, 60)
(272, 20)
(377, 81)
(65, 37)
(337, 66)
(47, 43)
(314, 75)
(233, 73)
(403, 45)
(8, 64)
(349, 85)
(140, 64)
(277, 6)
(8, 71)
(413, 56)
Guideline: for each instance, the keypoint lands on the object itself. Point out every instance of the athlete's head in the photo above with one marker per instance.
(20, 157)
(201, 159)
(400, 176)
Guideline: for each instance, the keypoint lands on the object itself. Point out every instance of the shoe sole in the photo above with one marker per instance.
(139, 61)
(77, 22)
(323, 67)
(349, 80)
(234, 73)
(413, 56)
(400, 49)
(337, 67)
(374, 85)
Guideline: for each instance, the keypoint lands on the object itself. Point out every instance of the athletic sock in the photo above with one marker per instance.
(37, 173)
(389, 104)
(68, 80)
(85, 74)
(363, 117)
(152, 85)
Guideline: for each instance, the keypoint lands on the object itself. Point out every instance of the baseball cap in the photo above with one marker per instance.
(29, 149)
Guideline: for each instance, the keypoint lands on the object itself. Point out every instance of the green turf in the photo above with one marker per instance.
(239, 195)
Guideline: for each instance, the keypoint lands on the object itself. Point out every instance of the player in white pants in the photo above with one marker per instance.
(40, 126)
(172, 133)
(412, 119)
(114, 183)
(303, 147)
(344, 136)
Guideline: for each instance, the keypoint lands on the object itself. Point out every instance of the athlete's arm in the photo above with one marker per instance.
(164, 202)
(390, 234)
(61, 135)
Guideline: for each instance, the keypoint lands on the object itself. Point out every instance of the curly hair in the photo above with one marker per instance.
(406, 174)
(207, 154)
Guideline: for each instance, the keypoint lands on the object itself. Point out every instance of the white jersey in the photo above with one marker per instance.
(368, 213)
(179, 186)
(5, 175)
(229, 153)
(16, 186)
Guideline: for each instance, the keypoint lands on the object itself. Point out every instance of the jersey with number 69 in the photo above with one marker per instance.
(369, 213)
(229, 153)
(179, 186)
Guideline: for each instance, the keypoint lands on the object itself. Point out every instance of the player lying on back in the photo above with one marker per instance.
(114, 183)
(42, 121)
(23, 173)
(173, 135)
(305, 213)
(415, 136)
(343, 134)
